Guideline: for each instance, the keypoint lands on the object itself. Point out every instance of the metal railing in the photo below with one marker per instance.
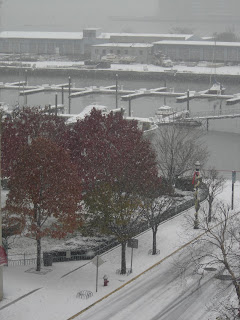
(104, 247)
(23, 262)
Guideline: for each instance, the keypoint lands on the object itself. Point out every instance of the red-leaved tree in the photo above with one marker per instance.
(45, 190)
(117, 166)
(29, 124)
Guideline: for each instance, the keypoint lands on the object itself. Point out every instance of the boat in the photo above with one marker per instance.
(216, 88)
(167, 114)
(147, 125)
(164, 111)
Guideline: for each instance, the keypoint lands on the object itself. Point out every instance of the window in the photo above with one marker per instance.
(104, 51)
(141, 52)
(126, 51)
(96, 50)
(118, 51)
(111, 51)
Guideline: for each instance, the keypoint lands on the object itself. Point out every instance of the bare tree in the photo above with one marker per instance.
(178, 149)
(217, 248)
(155, 211)
(214, 183)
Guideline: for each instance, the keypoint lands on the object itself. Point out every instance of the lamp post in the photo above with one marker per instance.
(196, 181)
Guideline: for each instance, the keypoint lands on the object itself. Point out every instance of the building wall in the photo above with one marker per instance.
(41, 46)
(211, 53)
(142, 54)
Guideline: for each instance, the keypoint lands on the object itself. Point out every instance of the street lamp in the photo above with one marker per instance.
(196, 181)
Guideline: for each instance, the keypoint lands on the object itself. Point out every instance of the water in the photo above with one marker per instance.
(222, 139)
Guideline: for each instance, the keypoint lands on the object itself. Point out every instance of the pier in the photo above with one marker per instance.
(204, 117)
(125, 94)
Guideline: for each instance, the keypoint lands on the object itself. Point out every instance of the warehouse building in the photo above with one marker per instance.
(211, 51)
(49, 43)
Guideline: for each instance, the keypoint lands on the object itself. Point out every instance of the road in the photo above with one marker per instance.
(162, 294)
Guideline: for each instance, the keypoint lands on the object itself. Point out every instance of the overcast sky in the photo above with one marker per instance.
(71, 14)
(74, 15)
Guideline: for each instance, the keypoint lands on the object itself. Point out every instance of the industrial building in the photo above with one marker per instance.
(212, 51)
(49, 43)
(131, 47)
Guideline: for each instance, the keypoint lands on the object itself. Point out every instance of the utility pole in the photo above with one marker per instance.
(26, 80)
(56, 104)
(188, 100)
(69, 93)
(233, 181)
(116, 91)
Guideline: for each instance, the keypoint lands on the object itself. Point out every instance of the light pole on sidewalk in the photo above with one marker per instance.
(196, 181)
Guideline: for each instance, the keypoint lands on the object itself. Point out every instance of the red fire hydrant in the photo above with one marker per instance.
(105, 280)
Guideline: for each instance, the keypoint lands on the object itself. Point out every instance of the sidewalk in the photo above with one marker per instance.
(56, 298)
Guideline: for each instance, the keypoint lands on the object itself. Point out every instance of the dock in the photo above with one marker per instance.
(78, 92)
(234, 100)
(189, 95)
(144, 92)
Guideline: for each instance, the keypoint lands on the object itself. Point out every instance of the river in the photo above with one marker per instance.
(222, 139)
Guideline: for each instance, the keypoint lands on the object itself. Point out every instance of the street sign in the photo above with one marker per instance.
(98, 261)
(132, 243)
(233, 176)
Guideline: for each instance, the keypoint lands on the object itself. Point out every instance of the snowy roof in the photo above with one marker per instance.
(163, 35)
(132, 45)
(200, 43)
(41, 35)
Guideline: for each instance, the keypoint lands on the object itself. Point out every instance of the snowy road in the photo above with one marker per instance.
(161, 294)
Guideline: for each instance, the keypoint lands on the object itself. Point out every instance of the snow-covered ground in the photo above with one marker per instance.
(57, 286)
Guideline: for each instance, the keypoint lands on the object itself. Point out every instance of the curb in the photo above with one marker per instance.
(145, 271)
(135, 278)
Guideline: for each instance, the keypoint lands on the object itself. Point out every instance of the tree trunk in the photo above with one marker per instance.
(123, 258)
(38, 218)
(154, 246)
(210, 201)
(38, 254)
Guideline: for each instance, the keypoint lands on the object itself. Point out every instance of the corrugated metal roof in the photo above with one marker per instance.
(164, 35)
(41, 35)
(200, 43)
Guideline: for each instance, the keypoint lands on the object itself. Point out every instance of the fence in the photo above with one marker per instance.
(70, 255)
(24, 261)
